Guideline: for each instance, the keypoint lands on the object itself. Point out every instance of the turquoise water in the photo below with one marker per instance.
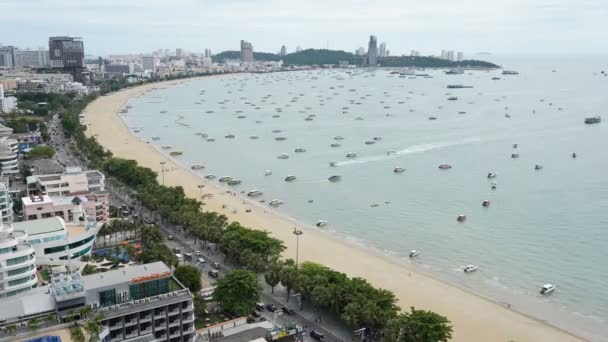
(543, 226)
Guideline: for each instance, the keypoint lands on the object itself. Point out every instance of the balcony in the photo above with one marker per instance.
(130, 322)
(146, 331)
(188, 319)
(174, 312)
(175, 334)
(159, 315)
(131, 334)
(189, 307)
(146, 318)
(116, 325)
(117, 338)
(174, 323)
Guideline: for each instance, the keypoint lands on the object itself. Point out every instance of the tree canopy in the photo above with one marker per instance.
(190, 276)
(41, 151)
(418, 326)
(238, 292)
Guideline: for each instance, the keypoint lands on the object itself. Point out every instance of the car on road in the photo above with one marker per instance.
(255, 314)
(170, 237)
(214, 274)
(201, 260)
(271, 307)
(197, 253)
(317, 335)
(176, 250)
(288, 310)
(259, 306)
(216, 265)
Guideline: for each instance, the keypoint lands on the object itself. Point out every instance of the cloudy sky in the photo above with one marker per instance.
(497, 26)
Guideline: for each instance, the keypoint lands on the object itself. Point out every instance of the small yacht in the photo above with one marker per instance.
(299, 150)
(283, 156)
(254, 193)
(280, 138)
(485, 203)
(461, 218)
(334, 178)
(538, 167)
(414, 253)
(338, 138)
(351, 155)
(275, 203)
(229, 136)
(268, 173)
(370, 142)
(335, 145)
(515, 155)
(546, 289)
(197, 167)
(176, 153)
(398, 170)
(432, 118)
(234, 182)
(492, 175)
(445, 166)
(290, 178)
(253, 137)
(470, 268)
(321, 223)
(377, 138)
(593, 120)
(224, 179)
(210, 176)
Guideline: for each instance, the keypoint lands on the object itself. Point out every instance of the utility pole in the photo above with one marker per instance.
(297, 233)
(162, 163)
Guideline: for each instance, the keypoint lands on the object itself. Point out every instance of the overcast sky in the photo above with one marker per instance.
(497, 26)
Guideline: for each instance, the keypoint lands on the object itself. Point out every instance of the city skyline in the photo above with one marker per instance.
(538, 26)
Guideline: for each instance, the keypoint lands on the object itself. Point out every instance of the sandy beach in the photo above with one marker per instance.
(474, 318)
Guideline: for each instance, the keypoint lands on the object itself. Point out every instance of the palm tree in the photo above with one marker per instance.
(93, 327)
(85, 312)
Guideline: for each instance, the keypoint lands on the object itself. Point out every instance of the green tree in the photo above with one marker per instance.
(89, 269)
(238, 292)
(33, 324)
(41, 151)
(199, 306)
(289, 276)
(93, 328)
(190, 276)
(273, 275)
(10, 329)
(418, 326)
(76, 334)
(85, 312)
(131, 252)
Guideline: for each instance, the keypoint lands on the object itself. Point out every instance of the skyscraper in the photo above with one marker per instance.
(444, 54)
(66, 52)
(460, 57)
(246, 52)
(149, 63)
(382, 52)
(450, 55)
(360, 51)
(178, 53)
(7, 57)
(283, 50)
(372, 51)
(207, 52)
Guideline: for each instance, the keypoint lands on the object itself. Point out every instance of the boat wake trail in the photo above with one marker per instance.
(420, 148)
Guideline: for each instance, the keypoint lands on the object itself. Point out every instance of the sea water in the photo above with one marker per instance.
(543, 226)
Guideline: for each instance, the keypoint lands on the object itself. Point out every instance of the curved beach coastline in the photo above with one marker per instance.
(474, 318)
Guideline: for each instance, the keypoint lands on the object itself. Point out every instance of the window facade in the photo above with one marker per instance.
(19, 260)
(20, 270)
(19, 281)
(57, 249)
(107, 298)
(149, 288)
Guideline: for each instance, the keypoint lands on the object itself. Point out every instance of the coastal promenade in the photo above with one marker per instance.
(474, 318)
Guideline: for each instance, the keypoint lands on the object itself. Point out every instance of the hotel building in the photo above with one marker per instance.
(74, 180)
(74, 208)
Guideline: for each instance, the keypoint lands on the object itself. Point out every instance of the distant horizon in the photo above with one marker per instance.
(470, 26)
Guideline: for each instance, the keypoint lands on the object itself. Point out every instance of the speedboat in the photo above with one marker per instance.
(224, 179)
(510, 72)
(229, 136)
(514, 145)
(283, 156)
(470, 268)
(176, 153)
(290, 178)
(398, 170)
(210, 176)
(234, 182)
(338, 138)
(593, 120)
(573, 155)
(538, 167)
(254, 193)
(197, 167)
(493, 186)
(321, 223)
(300, 150)
(515, 155)
(432, 118)
(351, 155)
(334, 178)
(370, 142)
(391, 152)
(253, 137)
(546, 289)
(445, 166)
(461, 218)
(275, 203)
(414, 253)
(333, 164)
(267, 173)
(280, 138)
(452, 98)
(492, 175)
(377, 138)
(485, 203)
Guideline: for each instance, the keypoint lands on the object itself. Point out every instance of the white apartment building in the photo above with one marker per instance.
(8, 156)
(32, 58)
(17, 262)
(6, 205)
(73, 180)
(7, 103)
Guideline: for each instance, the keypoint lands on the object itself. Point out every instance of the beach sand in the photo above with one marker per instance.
(474, 318)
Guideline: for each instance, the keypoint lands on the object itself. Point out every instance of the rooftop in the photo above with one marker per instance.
(36, 199)
(41, 226)
(126, 275)
(46, 166)
(35, 301)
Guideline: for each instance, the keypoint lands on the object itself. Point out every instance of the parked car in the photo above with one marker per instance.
(271, 307)
(201, 260)
(170, 237)
(176, 250)
(255, 314)
(214, 274)
(288, 310)
(197, 252)
(216, 265)
(259, 306)
(317, 335)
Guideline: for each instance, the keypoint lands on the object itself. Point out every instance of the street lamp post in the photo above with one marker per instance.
(162, 165)
(297, 233)
(200, 187)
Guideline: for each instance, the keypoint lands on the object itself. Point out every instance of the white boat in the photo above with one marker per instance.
(275, 203)
(268, 173)
(391, 152)
(492, 175)
(197, 167)
(234, 182)
(283, 156)
(321, 223)
(300, 150)
(334, 178)
(290, 178)
(210, 176)
(470, 268)
(398, 170)
(414, 253)
(224, 179)
(546, 289)
(351, 155)
(254, 193)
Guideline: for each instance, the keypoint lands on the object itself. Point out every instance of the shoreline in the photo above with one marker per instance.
(483, 319)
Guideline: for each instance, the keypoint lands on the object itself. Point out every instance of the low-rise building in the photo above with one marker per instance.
(138, 303)
(74, 208)
(73, 180)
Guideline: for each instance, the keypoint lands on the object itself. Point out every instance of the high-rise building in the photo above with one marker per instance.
(298, 48)
(66, 52)
(372, 51)
(450, 55)
(460, 57)
(444, 54)
(387, 53)
(283, 51)
(7, 57)
(246, 52)
(32, 58)
(17, 263)
(382, 52)
(415, 53)
(207, 53)
(149, 63)
(178, 53)
(360, 51)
